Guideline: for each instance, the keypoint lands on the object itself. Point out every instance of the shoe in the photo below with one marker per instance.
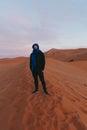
(46, 92)
(35, 91)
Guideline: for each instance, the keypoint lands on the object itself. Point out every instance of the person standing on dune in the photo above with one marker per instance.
(37, 65)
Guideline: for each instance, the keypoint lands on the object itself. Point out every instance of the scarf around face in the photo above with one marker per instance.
(33, 58)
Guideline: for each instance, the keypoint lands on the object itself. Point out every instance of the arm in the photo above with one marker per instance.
(43, 61)
(30, 63)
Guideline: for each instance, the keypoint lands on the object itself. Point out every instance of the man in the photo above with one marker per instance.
(37, 64)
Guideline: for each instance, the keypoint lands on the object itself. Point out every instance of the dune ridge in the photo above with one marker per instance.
(68, 54)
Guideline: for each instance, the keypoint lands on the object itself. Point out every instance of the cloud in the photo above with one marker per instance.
(18, 33)
(21, 26)
(58, 24)
(18, 29)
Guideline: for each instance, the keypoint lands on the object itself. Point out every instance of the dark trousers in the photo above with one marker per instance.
(41, 76)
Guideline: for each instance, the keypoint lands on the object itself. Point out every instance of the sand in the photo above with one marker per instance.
(64, 109)
(69, 55)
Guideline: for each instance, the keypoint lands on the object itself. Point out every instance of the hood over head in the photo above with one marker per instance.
(35, 44)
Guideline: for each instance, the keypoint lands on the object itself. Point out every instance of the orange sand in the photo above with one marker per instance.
(68, 55)
(64, 109)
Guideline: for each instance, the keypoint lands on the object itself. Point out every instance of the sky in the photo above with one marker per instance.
(60, 24)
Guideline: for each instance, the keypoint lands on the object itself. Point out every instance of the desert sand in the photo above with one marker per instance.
(68, 54)
(65, 108)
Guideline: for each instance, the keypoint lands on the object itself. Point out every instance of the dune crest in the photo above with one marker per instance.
(69, 55)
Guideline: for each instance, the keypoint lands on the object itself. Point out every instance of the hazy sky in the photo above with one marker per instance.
(51, 23)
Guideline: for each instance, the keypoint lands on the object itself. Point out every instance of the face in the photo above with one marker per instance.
(35, 47)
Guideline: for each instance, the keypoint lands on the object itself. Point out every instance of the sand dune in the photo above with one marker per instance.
(80, 64)
(68, 55)
(64, 109)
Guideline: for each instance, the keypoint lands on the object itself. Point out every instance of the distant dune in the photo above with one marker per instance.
(68, 55)
(12, 60)
(66, 106)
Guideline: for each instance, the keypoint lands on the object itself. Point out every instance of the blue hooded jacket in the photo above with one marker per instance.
(33, 56)
(37, 59)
